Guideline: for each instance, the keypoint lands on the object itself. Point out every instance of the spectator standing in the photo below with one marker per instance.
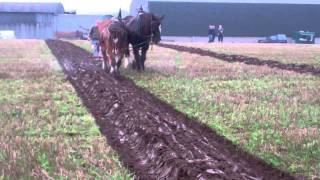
(220, 33)
(211, 33)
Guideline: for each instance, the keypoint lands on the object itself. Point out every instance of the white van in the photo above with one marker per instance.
(7, 35)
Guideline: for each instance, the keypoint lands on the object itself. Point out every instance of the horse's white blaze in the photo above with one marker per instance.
(111, 70)
(160, 29)
(115, 40)
(103, 65)
(117, 58)
(127, 62)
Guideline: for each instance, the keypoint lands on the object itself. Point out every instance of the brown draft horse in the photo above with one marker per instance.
(143, 29)
(114, 44)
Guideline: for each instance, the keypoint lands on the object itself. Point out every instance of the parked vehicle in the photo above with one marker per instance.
(7, 35)
(84, 33)
(304, 37)
(278, 38)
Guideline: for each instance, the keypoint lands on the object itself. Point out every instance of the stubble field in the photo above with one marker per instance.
(270, 112)
(46, 132)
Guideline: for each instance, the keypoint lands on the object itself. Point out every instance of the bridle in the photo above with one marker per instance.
(148, 37)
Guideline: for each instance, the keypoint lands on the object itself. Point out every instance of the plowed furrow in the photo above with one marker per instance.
(153, 140)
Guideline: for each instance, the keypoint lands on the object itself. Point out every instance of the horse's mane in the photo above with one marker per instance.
(127, 18)
(103, 24)
(133, 22)
(104, 21)
(116, 26)
(113, 28)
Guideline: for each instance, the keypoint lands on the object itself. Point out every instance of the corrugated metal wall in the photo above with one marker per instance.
(28, 25)
(238, 19)
(72, 23)
(44, 25)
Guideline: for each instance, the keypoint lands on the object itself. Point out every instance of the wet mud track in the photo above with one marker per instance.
(299, 68)
(153, 140)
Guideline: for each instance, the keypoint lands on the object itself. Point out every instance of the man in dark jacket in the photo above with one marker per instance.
(94, 37)
(220, 33)
(211, 33)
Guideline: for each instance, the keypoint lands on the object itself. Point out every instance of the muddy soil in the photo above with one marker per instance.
(299, 68)
(153, 140)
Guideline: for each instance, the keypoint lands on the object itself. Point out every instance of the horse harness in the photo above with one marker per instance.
(117, 29)
(147, 36)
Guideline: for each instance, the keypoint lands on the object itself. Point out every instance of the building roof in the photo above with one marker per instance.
(247, 1)
(54, 8)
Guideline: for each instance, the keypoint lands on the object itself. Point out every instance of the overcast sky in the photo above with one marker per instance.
(252, 1)
(87, 6)
(112, 6)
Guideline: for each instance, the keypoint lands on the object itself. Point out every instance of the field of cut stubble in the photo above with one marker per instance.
(270, 112)
(45, 131)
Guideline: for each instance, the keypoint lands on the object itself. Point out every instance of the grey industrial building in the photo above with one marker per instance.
(242, 18)
(30, 20)
(249, 18)
(40, 20)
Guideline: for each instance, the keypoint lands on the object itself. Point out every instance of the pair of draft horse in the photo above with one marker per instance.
(117, 34)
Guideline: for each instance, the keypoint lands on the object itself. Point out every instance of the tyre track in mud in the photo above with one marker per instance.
(299, 68)
(152, 139)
